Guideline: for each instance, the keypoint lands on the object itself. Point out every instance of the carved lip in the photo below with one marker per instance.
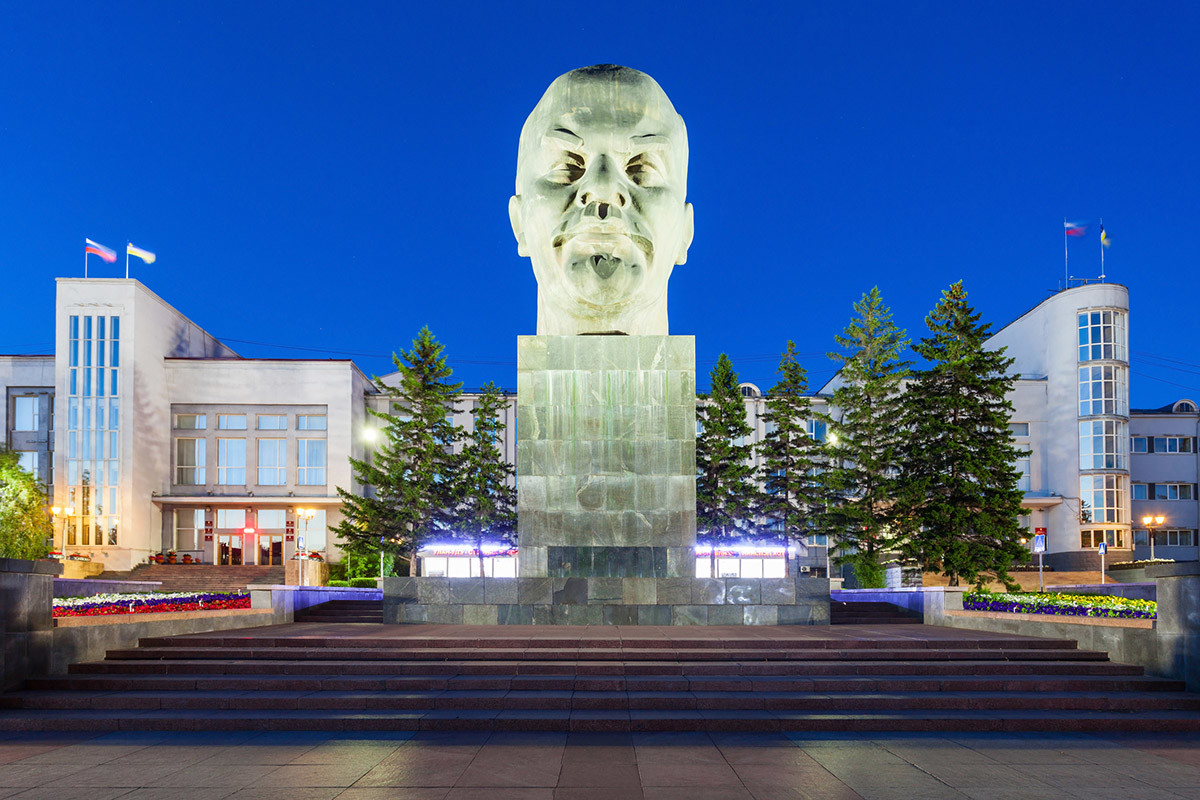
(604, 234)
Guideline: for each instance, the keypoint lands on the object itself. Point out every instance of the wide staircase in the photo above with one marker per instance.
(868, 613)
(198, 577)
(343, 611)
(329, 676)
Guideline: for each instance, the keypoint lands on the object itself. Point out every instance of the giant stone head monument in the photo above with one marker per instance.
(600, 205)
(606, 396)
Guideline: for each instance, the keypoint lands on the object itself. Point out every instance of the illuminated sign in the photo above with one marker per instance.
(489, 550)
(744, 551)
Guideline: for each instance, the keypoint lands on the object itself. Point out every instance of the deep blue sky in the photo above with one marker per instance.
(334, 177)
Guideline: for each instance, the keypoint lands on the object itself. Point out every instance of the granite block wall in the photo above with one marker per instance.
(800, 600)
(606, 456)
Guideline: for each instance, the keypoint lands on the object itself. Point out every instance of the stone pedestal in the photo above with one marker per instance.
(606, 456)
(316, 573)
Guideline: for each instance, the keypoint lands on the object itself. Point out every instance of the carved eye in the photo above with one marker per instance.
(642, 170)
(567, 170)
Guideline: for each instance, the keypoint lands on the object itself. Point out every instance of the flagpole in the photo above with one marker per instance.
(1066, 270)
(126, 262)
(1102, 249)
(85, 262)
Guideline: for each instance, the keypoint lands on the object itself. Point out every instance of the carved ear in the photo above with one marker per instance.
(688, 232)
(514, 218)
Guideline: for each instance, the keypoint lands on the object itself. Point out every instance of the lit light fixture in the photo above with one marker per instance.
(371, 434)
(247, 530)
(1152, 521)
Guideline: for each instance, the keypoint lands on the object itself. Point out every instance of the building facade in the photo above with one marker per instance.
(154, 436)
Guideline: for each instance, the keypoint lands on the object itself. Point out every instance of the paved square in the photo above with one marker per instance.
(597, 766)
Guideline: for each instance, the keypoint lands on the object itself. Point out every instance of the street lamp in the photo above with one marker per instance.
(1152, 522)
(65, 513)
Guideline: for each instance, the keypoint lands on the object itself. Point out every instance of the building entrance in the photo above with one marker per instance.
(270, 550)
(229, 550)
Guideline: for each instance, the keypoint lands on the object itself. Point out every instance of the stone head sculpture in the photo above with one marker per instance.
(600, 205)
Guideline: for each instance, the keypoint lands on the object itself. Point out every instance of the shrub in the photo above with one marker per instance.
(363, 583)
(338, 583)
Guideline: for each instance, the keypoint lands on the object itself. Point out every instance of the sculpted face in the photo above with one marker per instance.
(600, 206)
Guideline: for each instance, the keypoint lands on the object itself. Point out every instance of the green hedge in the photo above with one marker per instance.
(338, 583)
(363, 583)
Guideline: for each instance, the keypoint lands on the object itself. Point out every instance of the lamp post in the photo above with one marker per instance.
(305, 514)
(1152, 523)
(65, 513)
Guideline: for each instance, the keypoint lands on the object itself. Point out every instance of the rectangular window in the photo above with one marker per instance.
(1093, 538)
(1102, 335)
(1173, 491)
(1102, 444)
(28, 461)
(272, 422)
(1025, 482)
(189, 529)
(25, 413)
(1140, 538)
(310, 455)
(1102, 390)
(1019, 428)
(816, 430)
(231, 462)
(313, 530)
(272, 462)
(191, 422)
(1172, 444)
(231, 518)
(1102, 498)
(231, 422)
(272, 519)
(189, 462)
(310, 422)
(1139, 491)
(1138, 444)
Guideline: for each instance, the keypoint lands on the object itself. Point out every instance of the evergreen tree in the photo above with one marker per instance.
(727, 494)
(864, 439)
(958, 487)
(789, 454)
(409, 477)
(486, 510)
(25, 524)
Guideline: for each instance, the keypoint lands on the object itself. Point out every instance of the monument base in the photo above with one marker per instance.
(800, 600)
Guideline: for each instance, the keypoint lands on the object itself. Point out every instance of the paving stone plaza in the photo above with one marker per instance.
(572, 766)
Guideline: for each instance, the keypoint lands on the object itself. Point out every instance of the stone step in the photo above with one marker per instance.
(602, 700)
(312, 635)
(542, 654)
(687, 683)
(1160, 722)
(666, 669)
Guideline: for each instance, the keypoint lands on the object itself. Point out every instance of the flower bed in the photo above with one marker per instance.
(1065, 605)
(103, 604)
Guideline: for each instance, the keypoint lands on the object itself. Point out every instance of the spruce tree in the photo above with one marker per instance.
(864, 439)
(408, 479)
(727, 494)
(789, 455)
(486, 510)
(958, 486)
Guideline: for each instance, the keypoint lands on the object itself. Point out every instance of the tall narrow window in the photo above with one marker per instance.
(189, 462)
(25, 413)
(311, 462)
(272, 462)
(231, 462)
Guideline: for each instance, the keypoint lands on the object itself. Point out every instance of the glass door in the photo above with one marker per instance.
(270, 550)
(229, 550)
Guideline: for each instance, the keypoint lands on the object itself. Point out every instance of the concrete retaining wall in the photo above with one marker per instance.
(1149, 573)
(288, 600)
(1171, 649)
(90, 642)
(800, 600)
(85, 587)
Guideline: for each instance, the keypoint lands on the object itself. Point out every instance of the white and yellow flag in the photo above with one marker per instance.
(144, 255)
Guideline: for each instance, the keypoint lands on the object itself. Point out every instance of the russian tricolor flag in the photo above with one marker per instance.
(1074, 229)
(97, 249)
